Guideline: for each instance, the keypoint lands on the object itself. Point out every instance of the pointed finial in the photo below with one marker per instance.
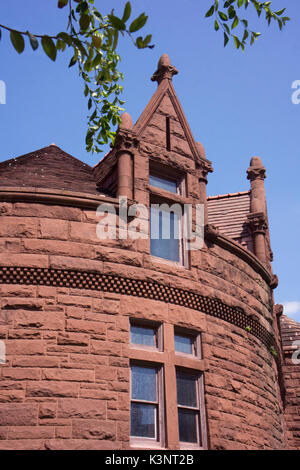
(164, 70)
(256, 161)
(126, 121)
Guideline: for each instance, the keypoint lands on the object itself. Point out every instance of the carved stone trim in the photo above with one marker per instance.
(278, 310)
(211, 231)
(126, 141)
(137, 288)
(205, 167)
(257, 223)
(164, 71)
(256, 172)
(274, 282)
(53, 196)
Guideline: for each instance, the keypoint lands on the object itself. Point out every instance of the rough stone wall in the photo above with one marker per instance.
(292, 410)
(290, 332)
(66, 380)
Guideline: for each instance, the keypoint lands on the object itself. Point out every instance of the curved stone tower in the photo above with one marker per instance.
(115, 341)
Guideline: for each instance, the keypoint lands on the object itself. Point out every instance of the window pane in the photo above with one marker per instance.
(142, 335)
(188, 425)
(168, 185)
(184, 344)
(143, 419)
(143, 383)
(186, 389)
(164, 234)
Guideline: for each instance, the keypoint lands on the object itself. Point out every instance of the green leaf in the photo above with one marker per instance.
(65, 37)
(279, 12)
(223, 16)
(60, 45)
(97, 60)
(116, 38)
(226, 39)
(84, 21)
(96, 41)
(49, 47)
(127, 12)
(231, 12)
(73, 61)
(139, 42)
(210, 11)
(246, 34)
(33, 41)
(17, 41)
(79, 46)
(236, 41)
(226, 27)
(240, 3)
(62, 3)
(217, 27)
(235, 23)
(117, 23)
(138, 23)
(147, 40)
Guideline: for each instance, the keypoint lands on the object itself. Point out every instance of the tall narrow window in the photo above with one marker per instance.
(167, 214)
(146, 402)
(165, 233)
(189, 416)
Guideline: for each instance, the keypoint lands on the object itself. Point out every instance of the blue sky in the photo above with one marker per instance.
(238, 105)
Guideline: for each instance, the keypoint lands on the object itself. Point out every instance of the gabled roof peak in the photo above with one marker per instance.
(164, 70)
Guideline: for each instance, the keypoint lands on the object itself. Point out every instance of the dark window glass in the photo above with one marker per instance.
(186, 390)
(143, 335)
(184, 344)
(143, 385)
(188, 407)
(188, 425)
(162, 183)
(167, 248)
(143, 419)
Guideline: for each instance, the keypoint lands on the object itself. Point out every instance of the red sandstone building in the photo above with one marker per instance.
(125, 343)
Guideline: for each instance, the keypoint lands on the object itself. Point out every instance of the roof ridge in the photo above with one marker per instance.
(228, 195)
(41, 151)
